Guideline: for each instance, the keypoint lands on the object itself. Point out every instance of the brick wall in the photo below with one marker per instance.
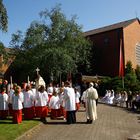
(106, 52)
(131, 37)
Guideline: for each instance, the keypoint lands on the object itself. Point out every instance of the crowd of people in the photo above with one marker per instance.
(123, 99)
(33, 100)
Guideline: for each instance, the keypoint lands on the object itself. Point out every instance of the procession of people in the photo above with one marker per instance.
(38, 100)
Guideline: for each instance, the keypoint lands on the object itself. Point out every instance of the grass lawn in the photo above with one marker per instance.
(10, 131)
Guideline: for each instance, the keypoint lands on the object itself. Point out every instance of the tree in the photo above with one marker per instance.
(2, 50)
(3, 17)
(3, 54)
(128, 68)
(54, 44)
(137, 71)
(130, 80)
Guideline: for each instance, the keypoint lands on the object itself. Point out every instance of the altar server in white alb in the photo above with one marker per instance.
(3, 104)
(41, 101)
(10, 94)
(70, 106)
(28, 103)
(91, 97)
(54, 105)
(50, 90)
(17, 100)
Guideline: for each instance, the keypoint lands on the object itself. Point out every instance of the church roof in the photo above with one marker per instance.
(111, 27)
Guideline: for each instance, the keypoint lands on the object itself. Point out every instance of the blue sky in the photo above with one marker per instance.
(91, 14)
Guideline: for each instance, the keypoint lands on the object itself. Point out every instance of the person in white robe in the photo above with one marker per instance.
(83, 98)
(41, 102)
(54, 105)
(10, 94)
(77, 98)
(117, 98)
(91, 97)
(105, 99)
(123, 98)
(50, 90)
(3, 104)
(17, 100)
(111, 98)
(28, 103)
(62, 103)
(70, 106)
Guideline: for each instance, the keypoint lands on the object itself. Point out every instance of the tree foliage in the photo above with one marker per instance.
(3, 54)
(137, 71)
(3, 17)
(129, 82)
(54, 44)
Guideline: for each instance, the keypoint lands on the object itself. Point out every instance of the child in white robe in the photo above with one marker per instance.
(17, 100)
(28, 103)
(3, 104)
(41, 102)
(54, 105)
(62, 103)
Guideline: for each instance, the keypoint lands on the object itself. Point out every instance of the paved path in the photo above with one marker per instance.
(114, 123)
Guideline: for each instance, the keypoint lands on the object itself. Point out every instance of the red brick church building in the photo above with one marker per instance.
(114, 46)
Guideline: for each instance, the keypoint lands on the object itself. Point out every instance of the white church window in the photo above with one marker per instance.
(138, 53)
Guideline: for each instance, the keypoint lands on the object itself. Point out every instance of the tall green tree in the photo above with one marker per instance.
(3, 17)
(130, 80)
(55, 44)
(137, 71)
(3, 53)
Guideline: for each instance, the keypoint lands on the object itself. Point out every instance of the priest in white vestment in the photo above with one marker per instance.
(91, 97)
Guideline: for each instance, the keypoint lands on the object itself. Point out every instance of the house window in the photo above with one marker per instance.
(138, 53)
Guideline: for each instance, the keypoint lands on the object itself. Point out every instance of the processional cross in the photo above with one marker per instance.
(37, 70)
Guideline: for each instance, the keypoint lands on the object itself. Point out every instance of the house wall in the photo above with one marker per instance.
(106, 52)
(131, 37)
